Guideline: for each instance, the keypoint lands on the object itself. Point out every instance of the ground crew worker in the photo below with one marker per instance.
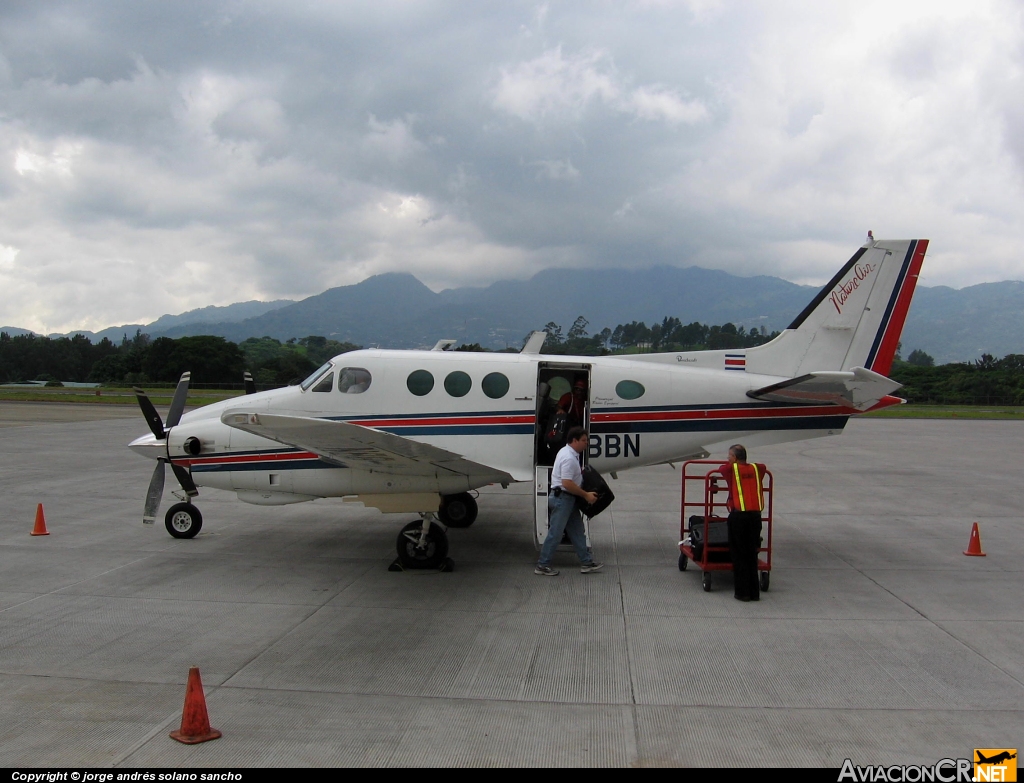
(746, 502)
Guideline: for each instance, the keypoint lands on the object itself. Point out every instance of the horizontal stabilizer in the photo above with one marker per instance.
(360, 448)
(857, 388)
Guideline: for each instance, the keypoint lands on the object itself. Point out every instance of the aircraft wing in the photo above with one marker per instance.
(857, 388)
(360, 448)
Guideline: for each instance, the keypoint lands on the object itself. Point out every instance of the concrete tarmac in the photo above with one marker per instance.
(878, 641)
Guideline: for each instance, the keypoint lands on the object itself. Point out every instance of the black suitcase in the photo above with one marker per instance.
(594, 482)
(718, 535)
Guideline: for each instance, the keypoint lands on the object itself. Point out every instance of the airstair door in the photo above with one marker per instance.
(554, 381)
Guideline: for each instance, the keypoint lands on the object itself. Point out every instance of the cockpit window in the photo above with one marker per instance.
(325, 384)
(354, 380)
(319, 371)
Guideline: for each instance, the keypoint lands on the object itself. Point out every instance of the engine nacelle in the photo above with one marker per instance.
(193, 439)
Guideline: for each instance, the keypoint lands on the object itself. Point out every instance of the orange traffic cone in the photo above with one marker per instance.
(974, 547)
(40, 528)
(195, 722)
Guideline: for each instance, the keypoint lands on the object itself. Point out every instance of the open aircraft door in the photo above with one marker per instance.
(553, 380)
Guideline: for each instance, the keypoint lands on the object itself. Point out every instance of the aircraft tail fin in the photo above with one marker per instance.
(855, 321)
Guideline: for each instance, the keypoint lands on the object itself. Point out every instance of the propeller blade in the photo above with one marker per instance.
(250, 384)
(185, 479)
(153, 419)
(154, 494)
(178, 401)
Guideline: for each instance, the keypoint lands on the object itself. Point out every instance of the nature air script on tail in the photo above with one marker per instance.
(842, 292)
(418, 431)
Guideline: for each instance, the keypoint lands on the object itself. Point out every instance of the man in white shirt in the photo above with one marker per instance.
(563, 509)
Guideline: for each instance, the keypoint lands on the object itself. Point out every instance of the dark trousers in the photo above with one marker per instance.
(744, 541)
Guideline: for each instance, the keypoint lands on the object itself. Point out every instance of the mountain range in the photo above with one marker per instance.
(396, 310)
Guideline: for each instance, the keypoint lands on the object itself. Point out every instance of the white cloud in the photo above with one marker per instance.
(393, 140)
(624, 210)
(7, 257)
(288, 148)
(556, 170)
(898, 129)
(553, 86)
(59, 161)
(403, 232)
(655, 103)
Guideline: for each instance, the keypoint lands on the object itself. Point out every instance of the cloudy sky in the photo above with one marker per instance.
(157, 157)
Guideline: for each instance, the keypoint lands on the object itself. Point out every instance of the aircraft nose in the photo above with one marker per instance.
(148, 446)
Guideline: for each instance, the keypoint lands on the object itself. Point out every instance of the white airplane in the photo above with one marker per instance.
(417, 431)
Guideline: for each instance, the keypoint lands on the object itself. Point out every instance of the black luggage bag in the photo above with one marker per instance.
(718, 535)
(594, 482)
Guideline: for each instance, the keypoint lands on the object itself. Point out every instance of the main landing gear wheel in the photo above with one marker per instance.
(458, 510)
(431, 555)
(183, 520)
(705, 582)
(764, 581)
(682, 562)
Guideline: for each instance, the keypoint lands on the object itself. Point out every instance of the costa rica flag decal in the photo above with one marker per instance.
(736, 361)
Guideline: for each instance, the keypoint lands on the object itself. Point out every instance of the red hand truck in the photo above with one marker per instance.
(703, 540)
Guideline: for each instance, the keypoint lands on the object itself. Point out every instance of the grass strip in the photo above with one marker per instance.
(911, 411)
(111, 396)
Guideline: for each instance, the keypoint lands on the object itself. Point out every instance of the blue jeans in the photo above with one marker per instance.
(564, 517)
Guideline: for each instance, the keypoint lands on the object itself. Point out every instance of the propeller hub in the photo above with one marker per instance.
(148, 446)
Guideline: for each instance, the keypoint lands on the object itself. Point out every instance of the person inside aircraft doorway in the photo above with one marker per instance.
(563, 507)
(745, 504)
(574, 404)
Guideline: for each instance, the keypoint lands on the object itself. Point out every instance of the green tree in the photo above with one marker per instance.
(920, 358)
(554, 334)
(210, 359)
(578, 328)
(320, 349)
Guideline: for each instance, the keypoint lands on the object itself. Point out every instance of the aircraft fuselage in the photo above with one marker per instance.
(486, 407)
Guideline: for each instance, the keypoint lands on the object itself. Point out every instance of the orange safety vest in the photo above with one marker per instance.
(745, 490)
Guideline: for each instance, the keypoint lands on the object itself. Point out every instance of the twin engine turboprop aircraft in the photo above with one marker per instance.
(417, 431)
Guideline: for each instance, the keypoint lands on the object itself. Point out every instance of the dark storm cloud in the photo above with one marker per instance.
(157, 157)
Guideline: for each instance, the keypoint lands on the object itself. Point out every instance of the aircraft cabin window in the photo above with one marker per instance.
(420, 382)
(630, 390)
(458, 384)
(495, 385)
(326, 384)
(315, 375)
(354, 380)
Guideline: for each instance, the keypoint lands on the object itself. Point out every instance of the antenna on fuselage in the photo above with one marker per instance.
(534, 342)
(444, 345)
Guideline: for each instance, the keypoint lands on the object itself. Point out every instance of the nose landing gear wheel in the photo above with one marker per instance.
(183, 520)
(458, 510)
(431, 555)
